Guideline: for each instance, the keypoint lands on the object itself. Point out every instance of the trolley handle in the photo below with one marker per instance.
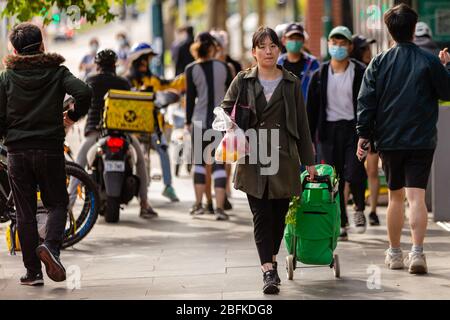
(318, 179)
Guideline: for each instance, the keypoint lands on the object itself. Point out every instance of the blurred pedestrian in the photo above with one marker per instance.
(142, 79)
(276, 104)
(235, 67)
(87, 65)
(362, 53)
(207, 80)
(332, 102)
(123, 48)
(398, 108)
(104, 80)
(181, 53)
(296, 60)
(424, 39)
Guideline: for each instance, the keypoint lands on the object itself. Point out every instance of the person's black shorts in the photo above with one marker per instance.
(407, 168)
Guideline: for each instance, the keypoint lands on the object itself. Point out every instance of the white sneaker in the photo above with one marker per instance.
(416, 263)
(394, 261)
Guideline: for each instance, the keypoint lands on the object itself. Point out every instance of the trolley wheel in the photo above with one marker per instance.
(336, 266)
(290, 267)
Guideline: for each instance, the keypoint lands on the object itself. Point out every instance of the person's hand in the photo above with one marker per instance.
(67, 121)
(312, 172)
(363, 148)
(444, 56)
(188, 128)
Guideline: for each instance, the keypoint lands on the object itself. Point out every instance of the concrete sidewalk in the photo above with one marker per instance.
(178, 257)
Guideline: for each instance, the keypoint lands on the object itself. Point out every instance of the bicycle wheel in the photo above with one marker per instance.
(83, 213)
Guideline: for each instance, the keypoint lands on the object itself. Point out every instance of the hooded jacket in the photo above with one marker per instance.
(32, 91)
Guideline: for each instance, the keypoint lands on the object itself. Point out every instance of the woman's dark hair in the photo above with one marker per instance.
(134, 73)
(26, 38)
(106, 60)
(202, 43)
(261, 34)
(401, 21)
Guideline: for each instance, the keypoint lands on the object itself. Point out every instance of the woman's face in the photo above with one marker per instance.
(266, 53)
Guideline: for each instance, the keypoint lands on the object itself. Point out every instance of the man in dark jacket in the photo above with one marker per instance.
(32, 91)
(181, 53)
(398, 109)
(331, 105)
(105, 80)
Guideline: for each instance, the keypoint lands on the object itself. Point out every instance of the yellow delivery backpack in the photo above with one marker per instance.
(129, 111)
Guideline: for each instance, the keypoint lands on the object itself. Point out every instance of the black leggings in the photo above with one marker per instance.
(269, 222)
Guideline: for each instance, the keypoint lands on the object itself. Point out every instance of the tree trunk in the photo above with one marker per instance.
(261, 12)
(217, 14)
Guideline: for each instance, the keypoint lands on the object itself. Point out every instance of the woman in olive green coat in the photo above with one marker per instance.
(270, 107)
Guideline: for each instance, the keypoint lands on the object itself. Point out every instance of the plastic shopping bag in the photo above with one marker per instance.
(222, 121)
(233, 145)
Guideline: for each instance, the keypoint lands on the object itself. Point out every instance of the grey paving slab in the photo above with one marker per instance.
(178, 257)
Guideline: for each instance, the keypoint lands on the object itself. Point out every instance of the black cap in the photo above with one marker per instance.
(362, 42)
(294, 28)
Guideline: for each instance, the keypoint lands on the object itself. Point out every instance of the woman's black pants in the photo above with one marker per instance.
(269, 222)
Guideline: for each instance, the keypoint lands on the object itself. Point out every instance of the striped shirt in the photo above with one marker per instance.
(207, 83)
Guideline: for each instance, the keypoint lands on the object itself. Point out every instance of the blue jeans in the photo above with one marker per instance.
(162, 149)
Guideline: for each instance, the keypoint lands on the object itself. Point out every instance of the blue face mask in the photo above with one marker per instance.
(337, 52)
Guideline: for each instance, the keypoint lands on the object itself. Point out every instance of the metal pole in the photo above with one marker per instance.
(327, 26)
(158, 36)
(242, 7)
(295, 10)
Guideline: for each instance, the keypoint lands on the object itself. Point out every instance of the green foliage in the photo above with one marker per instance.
(92, 10)
(292, 212)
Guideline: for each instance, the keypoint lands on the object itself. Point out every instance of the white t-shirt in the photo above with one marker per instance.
(340, 94)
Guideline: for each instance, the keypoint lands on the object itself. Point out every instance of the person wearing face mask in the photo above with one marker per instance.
(296, 60)
(123, 48)
(87, 65)
(331, 105)
(142, 79)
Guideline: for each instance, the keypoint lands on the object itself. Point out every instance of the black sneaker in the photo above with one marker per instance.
(360, 221)
(53, 266)
(373, 219)
(227, 204)
(148, 213)
(277, 277)
(343, 236)
(270, 284)
(221, 215)
(210, 208)
(32, 279)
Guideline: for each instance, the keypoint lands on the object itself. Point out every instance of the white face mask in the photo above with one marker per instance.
(93, 48)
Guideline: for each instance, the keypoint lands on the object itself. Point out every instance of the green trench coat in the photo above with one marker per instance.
(286, 112)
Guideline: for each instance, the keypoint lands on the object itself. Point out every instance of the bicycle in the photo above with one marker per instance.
(81, 216)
